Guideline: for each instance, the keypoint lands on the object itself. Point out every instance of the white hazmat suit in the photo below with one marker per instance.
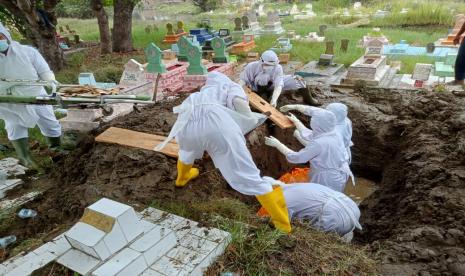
(266, 76)
(325, 209)
(325, 151)
(209, 121)
(343, 123)
(25, 63)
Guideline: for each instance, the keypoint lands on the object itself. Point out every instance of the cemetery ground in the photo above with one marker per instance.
(409, 143)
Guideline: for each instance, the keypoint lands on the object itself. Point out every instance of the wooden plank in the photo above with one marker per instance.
(135, 139)
(263, 106)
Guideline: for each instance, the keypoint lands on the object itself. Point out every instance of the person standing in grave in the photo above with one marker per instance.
(460, 61)
(266, 78)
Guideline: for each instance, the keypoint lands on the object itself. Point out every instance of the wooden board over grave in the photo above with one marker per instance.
(135, 139)
(263, 106)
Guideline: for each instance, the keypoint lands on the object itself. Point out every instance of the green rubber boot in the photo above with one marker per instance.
(22, 150)
(308, 98)
(53, 142)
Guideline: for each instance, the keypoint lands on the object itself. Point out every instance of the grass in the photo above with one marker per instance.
(258, 249)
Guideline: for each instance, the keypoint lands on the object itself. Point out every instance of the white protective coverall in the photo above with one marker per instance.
(343, 123)
(324, 208)
(255, 75)
(207, 121)
(25, 63)
(325, 152)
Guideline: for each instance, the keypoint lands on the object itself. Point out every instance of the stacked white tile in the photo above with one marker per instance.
(97, 243)
(169, 245)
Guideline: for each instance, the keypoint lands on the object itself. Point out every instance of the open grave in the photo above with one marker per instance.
(411, 143)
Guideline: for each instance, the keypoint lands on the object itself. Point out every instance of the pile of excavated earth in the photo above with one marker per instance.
(412, 143)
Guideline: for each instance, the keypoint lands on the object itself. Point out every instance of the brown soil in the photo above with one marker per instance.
(413, 143)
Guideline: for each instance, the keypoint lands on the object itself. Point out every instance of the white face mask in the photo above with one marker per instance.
(268, 69)
(4, 45)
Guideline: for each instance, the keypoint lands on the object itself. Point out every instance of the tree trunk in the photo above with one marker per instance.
(103, 26)
(39, 28)
(122, 25)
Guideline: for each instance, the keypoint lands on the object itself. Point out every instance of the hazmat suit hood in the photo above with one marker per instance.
(269, 57)
(339, 110)
(221, 82)
(5, 32)
(323, 122)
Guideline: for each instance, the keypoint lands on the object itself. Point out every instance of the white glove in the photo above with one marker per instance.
(298, 124)
(242, 106)
(299, 138)
(273, 142)
(299, 107)
(276, 93)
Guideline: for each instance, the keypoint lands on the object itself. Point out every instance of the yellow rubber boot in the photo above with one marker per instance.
(185, 174)
(276, 206)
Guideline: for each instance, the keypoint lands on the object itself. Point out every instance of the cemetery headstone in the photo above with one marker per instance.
(180, 29)
(329, 48)
(219, 47)
(154, 57)
(322, 29)
(238, 24)
(147, 29)
(422, 71)
(77, 40)
(374, 51)
(325, 60)
(61, 29)
(245, 22)
(344, 45)
(183, 45)
(169, 29)
(194, 56)
(430, 47)
(294, 10)
(357, 5)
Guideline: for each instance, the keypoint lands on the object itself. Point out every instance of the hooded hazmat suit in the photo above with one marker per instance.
(343, 123)
(325, 152)
(324, 208)
(25, 63)
(266, 77)
(208, 121)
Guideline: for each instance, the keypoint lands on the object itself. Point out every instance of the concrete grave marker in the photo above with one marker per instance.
(322, 29)
(344, 45)
(132, 74)
(430, 47)
(245, 22)
(154, 57)
(169, 29)
(325, 60)
(219, 47)
(329, 48)
(183, 46)
(180, 29)
(422, 71)
(194, 57)
(238, 24)
(294, 10)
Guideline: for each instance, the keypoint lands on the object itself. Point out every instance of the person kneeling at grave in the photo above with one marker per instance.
(215, 120)
(325, 150)
(266, 78)
(323, 208)
(343, 123)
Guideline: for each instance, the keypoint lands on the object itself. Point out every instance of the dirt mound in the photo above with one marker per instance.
(414, 142)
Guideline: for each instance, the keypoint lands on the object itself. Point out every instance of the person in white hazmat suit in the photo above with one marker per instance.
(215, 120)
(266, 78)
(323, 208)
(343, 123)
(25, 63)
(325, 150)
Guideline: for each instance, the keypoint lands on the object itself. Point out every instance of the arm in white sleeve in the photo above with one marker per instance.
(242, 106)
(299, 138)
(299, 107)
(276, 93)
(310, 109)
(39, 64)
(298, 124)
(304, 155)
(273, 142)
(47, 76)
